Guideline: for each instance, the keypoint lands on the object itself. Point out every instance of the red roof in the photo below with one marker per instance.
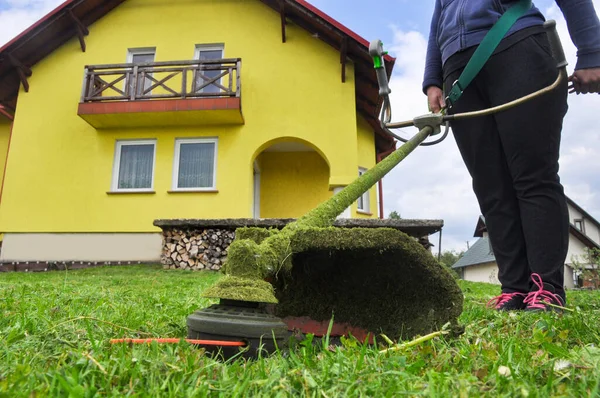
(38, 24)
(58, 26)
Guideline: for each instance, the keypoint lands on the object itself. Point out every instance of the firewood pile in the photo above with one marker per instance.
(195, 249)
(198, 248)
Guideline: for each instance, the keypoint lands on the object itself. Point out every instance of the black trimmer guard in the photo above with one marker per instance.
(231, 320)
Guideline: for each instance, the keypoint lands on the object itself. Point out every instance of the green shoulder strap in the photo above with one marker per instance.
(486, 49)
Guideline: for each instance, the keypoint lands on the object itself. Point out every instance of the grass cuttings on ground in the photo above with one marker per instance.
(248, 259)
(55, 330)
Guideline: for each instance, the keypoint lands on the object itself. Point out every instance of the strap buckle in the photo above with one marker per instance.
(454, 94)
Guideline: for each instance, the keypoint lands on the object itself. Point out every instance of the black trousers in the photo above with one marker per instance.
(513, 159)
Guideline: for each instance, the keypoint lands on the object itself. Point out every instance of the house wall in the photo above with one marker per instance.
(569, 283)
(4, 138)
(577, 250)
(82, 247)
(591, 229)
(367, 158)
(289, 90)
(292, 183)
(487, 273)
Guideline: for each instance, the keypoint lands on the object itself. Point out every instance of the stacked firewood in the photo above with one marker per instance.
(196, 249)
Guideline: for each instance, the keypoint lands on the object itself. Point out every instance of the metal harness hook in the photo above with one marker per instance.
(433, 120)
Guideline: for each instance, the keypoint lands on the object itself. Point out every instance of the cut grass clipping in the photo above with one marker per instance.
(379, 279)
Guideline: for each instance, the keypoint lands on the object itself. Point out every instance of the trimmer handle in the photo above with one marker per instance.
(555, 44)
(376, 51)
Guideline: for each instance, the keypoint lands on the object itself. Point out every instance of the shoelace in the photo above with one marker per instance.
(540, 297)
(502, 299)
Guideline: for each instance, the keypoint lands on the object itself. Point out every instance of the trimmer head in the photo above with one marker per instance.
(244, 321)
(369, 280)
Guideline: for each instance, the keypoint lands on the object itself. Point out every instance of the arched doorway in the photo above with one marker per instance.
(290, 178)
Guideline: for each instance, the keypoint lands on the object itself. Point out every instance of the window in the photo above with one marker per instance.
(195, 164)
(579, 225)
(134, 166)
(141, 56)
(363, 201)
(208, 53)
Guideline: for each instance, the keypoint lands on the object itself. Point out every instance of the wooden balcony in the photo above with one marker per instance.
(178, 93)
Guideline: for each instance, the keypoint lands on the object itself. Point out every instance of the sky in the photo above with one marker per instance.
(432, 182)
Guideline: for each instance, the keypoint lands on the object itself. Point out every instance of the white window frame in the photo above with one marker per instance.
(256, 198)
(117, 165)
(208, 47)
(366, 209)
(582, 222)
(138, 51)
(175, 178)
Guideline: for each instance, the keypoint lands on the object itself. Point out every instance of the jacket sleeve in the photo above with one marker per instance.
(433, 63)
(584, 29)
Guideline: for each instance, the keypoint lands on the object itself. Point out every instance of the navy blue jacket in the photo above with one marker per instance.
(459, 24)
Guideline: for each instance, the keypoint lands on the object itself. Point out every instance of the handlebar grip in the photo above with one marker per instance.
(555, 43)
(376, 48)
(382, 79)
(376, 51)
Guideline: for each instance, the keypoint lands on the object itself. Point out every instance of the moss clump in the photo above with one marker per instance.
(248, 259)
(242, 260)
(242, 289)
(381, 280)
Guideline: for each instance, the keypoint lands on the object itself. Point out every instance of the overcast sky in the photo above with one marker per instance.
(432, 183)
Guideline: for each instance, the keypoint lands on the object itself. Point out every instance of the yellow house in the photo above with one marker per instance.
(117, 113)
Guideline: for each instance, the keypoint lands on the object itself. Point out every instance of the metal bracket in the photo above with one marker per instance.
(433, 120)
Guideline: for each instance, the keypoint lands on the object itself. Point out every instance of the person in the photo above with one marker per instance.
(513, 156)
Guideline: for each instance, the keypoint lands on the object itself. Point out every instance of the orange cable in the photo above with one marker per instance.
(175, 341)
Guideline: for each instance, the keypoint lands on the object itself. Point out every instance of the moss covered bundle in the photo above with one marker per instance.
(380, 280)
(259, 254)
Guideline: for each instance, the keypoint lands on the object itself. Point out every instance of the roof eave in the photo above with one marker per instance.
(6, 114)
(37, 25)
(586, 240)
(457, 266)
(583, 212)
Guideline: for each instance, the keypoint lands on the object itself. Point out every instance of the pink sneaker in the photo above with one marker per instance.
(539, 300)
(508, 302)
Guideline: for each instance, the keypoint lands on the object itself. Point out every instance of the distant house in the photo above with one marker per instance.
(478, 264)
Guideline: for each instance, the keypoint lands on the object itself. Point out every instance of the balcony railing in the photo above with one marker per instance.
(162, 80)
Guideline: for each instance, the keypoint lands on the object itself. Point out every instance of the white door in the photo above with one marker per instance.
(141, 56)
(208, 53)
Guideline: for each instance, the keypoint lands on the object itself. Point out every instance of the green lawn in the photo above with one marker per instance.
(55, 329)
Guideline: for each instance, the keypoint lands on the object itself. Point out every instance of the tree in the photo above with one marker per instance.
(589, 268)
(394, 215)
(449, 258)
